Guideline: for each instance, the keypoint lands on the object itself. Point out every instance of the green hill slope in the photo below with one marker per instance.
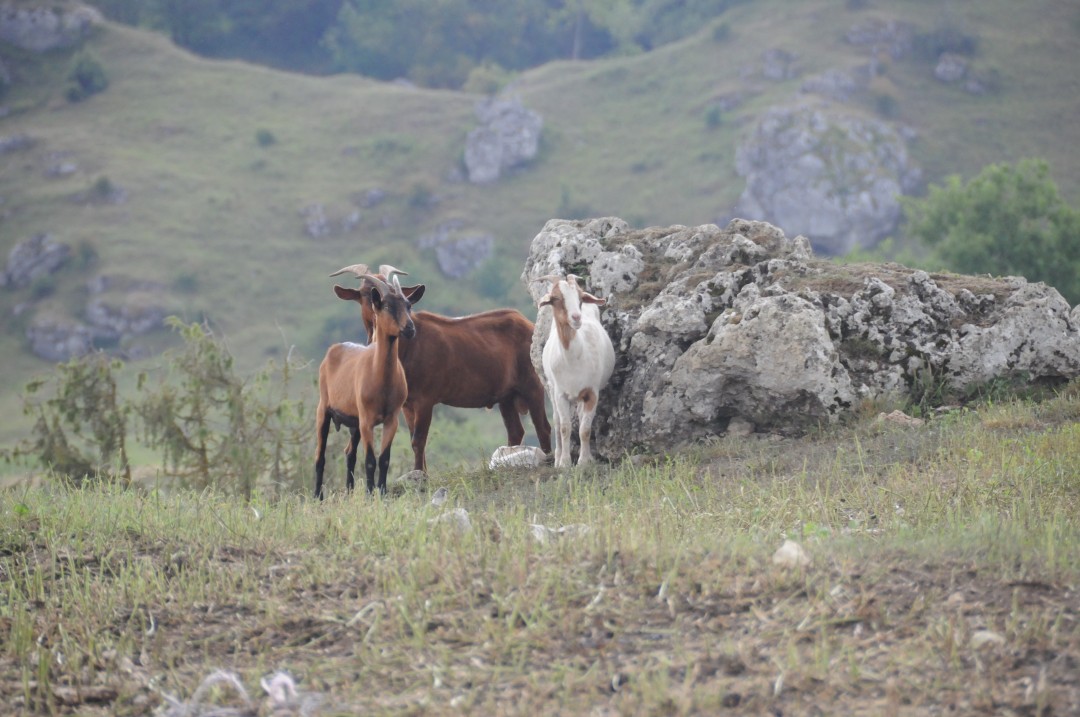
(211, 217)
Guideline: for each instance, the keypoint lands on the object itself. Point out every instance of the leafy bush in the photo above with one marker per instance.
(86, 77)
(486, 78)
(217, 429)
(886, 104)
(265, 138)
(714, 116)
(80, 431)
(945, 38)
(1007, 220)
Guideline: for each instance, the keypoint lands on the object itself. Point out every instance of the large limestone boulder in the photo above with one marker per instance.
(508, 136)
(32, 258)
(44, 27)
(743, 327)
(833, 176)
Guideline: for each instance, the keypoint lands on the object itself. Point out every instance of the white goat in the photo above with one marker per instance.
(578, 360)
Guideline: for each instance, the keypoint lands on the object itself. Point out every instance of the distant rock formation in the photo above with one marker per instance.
(458, 252)
(743, 328)
(832, 176)
(508, 136)
(42, 27)
(118, 310)
(32, 258)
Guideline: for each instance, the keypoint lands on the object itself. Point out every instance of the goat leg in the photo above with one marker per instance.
(586, 411)
(350, 459)
(515, 431)
(322, 430)
(421, 424)
(369, 467)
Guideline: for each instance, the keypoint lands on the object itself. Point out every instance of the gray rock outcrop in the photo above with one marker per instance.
(834, 177)
(508, 136)
(41, 28)
(891, 36)
(738, 327)
(32, 258)
(59, 339)
(16, 142)
(458, 252)
(121, 307)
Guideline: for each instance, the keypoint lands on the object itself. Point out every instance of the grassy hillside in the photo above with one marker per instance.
(940, 577)
(213, 215)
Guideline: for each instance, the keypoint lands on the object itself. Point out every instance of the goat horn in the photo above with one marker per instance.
(389, 272)
(359, 270)
(379, 283)
(547, 277)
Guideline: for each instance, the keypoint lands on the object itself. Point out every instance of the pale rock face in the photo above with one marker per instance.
(42, 28)
(832, 176)
(509, 135)
(742, 329)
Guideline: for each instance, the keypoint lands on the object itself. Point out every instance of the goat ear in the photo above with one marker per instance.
(376, 299)
(545, 300)
(587, 298)
(414, 293)
(347, 294)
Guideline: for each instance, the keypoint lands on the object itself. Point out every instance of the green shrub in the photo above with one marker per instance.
(186, 283)
(714, 116)
(1007, 220)
(886, 104)
(264, 137)
(42, 287)
(217, 429)
(80, 430)
(85, 78)
(946, 38)
(103, 188)
(486, 79)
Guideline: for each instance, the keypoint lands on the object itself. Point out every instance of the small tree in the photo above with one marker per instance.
(81, 430)
(86, 77)
(1007, 220)
(216, 429)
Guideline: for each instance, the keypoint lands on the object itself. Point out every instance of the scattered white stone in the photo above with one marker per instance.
(739, 427)
(984, 638)
(543, 534)
(409, 482)
(791, 555)
(279, 687)
(440, 496)
(457, 516)
(517, 457)
(900, 418)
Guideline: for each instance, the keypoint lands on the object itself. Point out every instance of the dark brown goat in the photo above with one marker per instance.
(475, 361)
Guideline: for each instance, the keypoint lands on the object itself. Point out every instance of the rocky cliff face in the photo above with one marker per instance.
(42, 28)
(834, 176)
(715, 327)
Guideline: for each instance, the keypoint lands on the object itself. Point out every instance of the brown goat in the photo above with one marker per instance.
(365, 386)
(474, 361)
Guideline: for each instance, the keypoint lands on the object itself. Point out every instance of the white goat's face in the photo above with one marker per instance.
(566, 298)
(571, 303)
